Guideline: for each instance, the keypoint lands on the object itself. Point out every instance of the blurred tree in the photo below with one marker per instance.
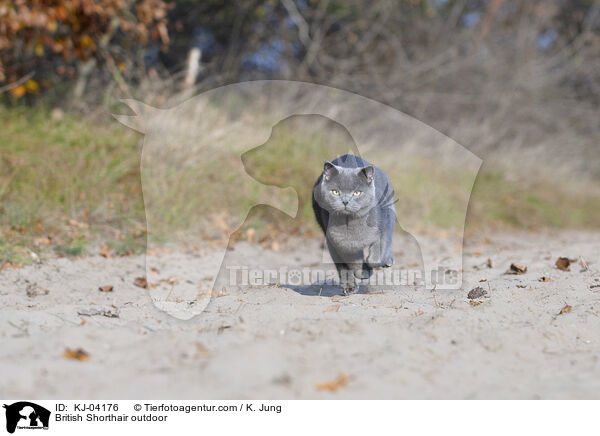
(72, 37)
(386, 49)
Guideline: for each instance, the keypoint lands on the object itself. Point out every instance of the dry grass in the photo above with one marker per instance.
(67, 185)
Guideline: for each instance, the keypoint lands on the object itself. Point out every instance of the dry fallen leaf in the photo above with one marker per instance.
(105, 251)
(544, 279)
(565, 309)
(214, 293)
(78, 354)
(107, 288)
(476, 252)
(7, 264)
(38, 227)
(334, 385)
(562, 263)
(46, 240)
(74, 223)
(475, 302)
(516, 269)
(420, 312)
(250, 234)
(141, 282)
(489, 262)
(334, 308)
(201, 350)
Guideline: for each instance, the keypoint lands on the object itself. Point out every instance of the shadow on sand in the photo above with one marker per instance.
(322, 290)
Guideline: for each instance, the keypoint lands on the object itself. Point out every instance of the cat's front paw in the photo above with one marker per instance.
(349, 288)
(376, 264)
(388, 262)
(364, 273)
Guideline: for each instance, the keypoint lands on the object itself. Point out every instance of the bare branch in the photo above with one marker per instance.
(19, 82)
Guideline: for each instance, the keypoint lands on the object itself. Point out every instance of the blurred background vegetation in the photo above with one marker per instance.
(517, 82)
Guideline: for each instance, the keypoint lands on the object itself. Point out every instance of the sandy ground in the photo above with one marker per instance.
(281, 342)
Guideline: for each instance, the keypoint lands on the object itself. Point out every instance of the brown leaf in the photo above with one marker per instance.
(420, 312)
(334, 308)
(489, 262)
(46, 240)
(7, 264)
(78, 354)
(544, 279)
(201, 350)
(565, 309)
(475, 303)
(214, 293)
(141, 282)
(516, 269)
(562, 263)
(476, 253)
(105, 251)
(74, 223)
(107, 288)
(38, 227)
(334, 385)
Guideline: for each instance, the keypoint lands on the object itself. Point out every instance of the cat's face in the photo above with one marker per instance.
(347, 190)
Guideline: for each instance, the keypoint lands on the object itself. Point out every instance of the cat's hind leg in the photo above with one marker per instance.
(389, 221)
(380, 253)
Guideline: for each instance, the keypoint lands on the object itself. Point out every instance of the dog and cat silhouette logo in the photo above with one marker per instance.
(26, 415)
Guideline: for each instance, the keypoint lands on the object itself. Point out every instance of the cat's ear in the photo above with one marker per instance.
(368, 173)
(329, 170)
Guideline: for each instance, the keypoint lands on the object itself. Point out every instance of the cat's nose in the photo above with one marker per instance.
(345, 202)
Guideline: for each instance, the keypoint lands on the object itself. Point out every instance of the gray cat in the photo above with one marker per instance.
(353, 203)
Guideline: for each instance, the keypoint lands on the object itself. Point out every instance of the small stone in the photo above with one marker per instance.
(475, 293)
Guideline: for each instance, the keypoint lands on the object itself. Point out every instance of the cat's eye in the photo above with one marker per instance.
(357, 193)
(335, 192)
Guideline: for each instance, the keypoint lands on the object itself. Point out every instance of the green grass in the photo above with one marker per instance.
(54, 171)
(78, 183)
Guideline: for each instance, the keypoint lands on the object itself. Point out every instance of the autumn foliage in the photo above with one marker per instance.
(65, 34)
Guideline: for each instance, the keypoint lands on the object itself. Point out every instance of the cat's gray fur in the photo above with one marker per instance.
(357, 224)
